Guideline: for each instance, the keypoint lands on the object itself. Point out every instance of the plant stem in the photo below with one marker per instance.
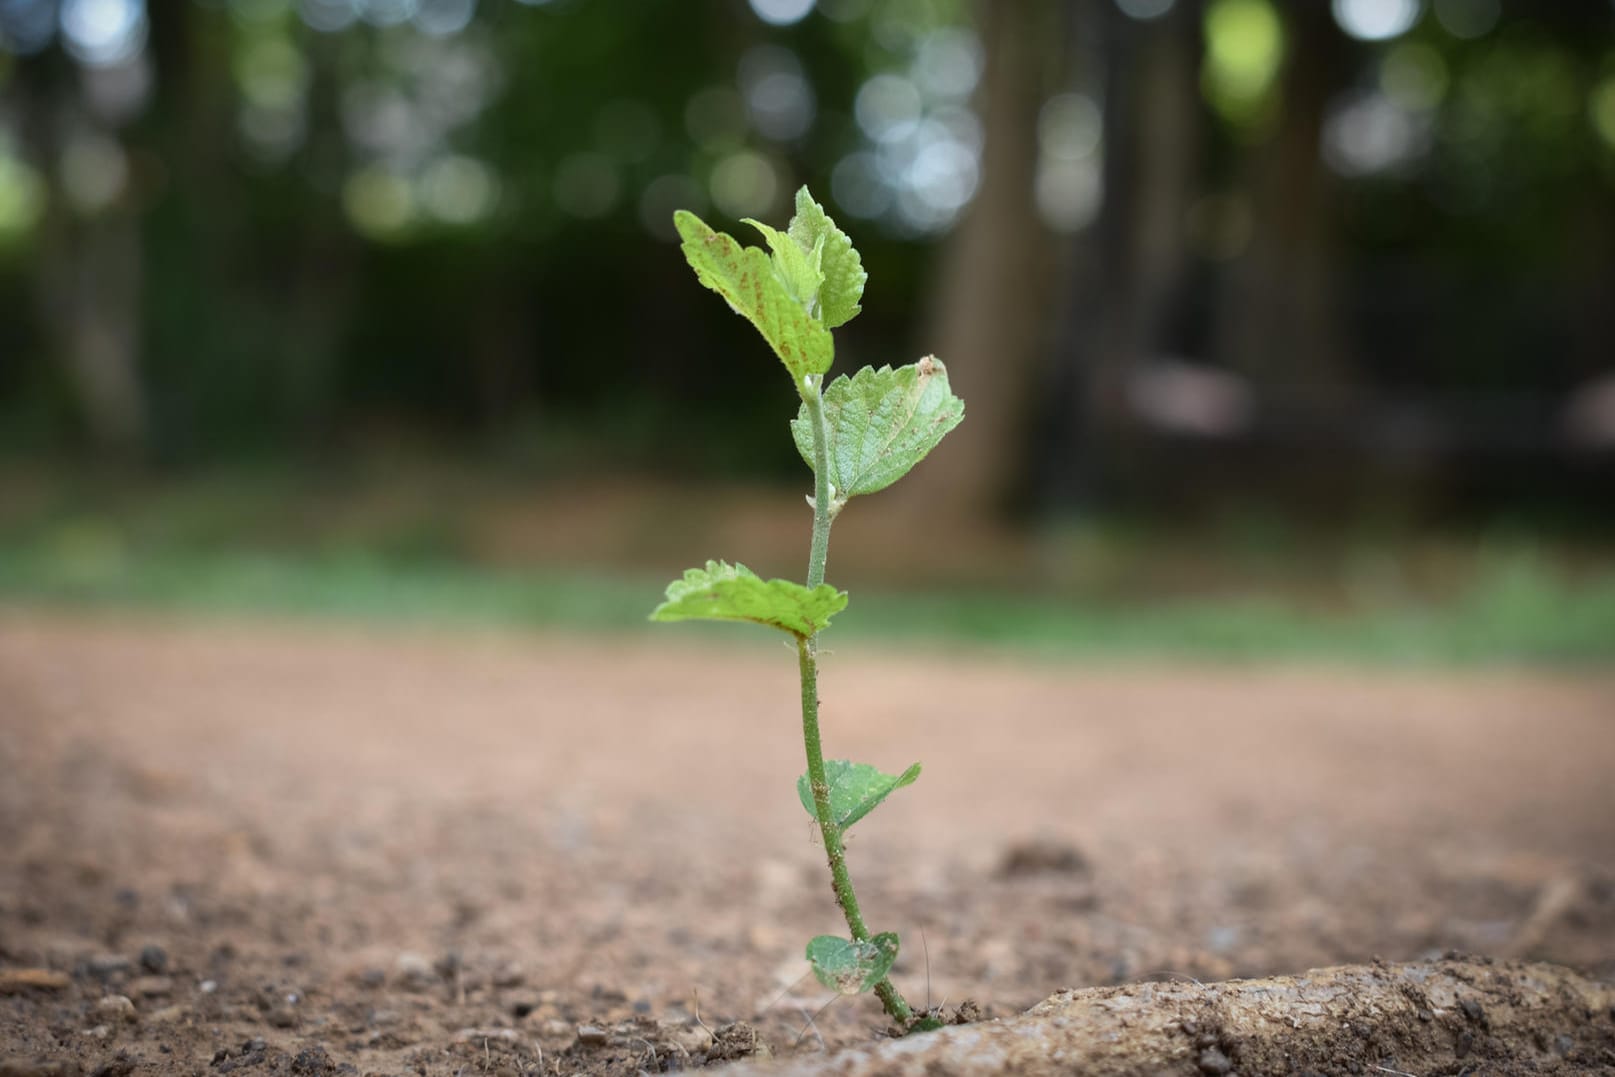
(807, 654)
(819, 553)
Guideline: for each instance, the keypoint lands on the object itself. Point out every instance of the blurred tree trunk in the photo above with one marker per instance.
(1159, 138)
(990, 325)
(1129, 269)
(1280, 321)
(87, 272)
(326, 259)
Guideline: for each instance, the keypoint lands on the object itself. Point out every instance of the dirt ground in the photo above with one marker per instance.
(306, 850)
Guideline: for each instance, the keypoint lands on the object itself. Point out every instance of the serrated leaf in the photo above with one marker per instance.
(797, 268)
(856, 789)
(745, 277)
(849, 967)
(880, 423)
(843, 267)
(724, 592)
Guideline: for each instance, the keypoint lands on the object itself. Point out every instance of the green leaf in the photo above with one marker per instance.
(797, 268)
(881, 423)
(856, 789)
(849, 967)
(723, 592)
(843, 268)
(746, 278)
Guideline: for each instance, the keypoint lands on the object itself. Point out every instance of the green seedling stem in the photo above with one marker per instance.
(807, 653)
(859, 434)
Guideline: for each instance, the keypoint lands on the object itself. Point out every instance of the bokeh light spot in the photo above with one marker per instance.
(22, 198)
(948, 63)
(459, 190)
(1144, 10)
(887, 107)
(857, 186)
(1069, 126)
(782, 12)
(95, 171)
(379, 203)
(1376, 20)
(27, 27)
(1070, 192)
(744, 184)
(1414, 76)
(103, 32)
(271, 72)
(329, 16)
(385, 13)
(779, 99)
(1244, 48)
(1369, 133)
(440, 18)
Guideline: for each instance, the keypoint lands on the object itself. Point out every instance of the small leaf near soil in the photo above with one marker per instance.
(745, 277)
(881, 423)
(856, 789)
(849, 967)
(724, 592)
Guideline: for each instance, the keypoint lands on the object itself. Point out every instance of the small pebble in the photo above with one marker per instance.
(477, 1035)
(154, 959)
(413, 971)
(591, 1036)
(117, 1008)
(151, 986)
(1214, 1062)
(282, 1017)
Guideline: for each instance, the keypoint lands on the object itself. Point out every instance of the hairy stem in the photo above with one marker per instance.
(807, 653)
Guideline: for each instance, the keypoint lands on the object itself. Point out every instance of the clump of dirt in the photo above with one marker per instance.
(1457, 1015)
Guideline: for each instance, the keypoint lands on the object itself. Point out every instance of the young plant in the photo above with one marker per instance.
(859, 435)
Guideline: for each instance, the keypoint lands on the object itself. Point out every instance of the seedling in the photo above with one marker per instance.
(859, 435)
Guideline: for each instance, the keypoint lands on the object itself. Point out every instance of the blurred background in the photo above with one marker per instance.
(1283, 327)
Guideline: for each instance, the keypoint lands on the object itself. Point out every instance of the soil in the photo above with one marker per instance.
(291, 850)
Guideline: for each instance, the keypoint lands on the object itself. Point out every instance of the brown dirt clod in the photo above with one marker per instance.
(1352, 1018)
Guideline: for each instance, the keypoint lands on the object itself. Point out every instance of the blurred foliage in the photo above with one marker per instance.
(232, 229)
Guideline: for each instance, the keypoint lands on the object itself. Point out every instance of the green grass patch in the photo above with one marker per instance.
(1516, 607)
